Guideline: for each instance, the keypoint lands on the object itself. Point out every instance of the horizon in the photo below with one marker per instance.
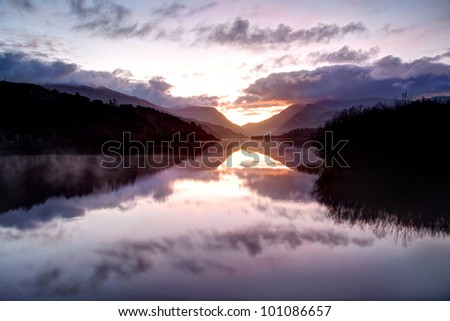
(235, 57)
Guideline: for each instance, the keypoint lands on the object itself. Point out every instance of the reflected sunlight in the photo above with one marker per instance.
(243, 160)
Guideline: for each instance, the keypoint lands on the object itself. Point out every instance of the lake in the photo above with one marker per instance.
(70, 230)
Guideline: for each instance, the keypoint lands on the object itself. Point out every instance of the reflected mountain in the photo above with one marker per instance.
(26, 181)
(403, 206)
(38, 189)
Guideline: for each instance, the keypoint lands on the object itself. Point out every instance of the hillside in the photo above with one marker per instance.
(37, 120)
(300, 116)
(210, 120)
(208, 115)
(312, 115)
(105, 95)
(218, 131)
(272, 123)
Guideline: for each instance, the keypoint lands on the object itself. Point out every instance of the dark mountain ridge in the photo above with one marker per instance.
(209, 118)
(34, 119)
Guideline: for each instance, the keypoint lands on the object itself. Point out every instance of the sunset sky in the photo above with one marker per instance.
(250, 59)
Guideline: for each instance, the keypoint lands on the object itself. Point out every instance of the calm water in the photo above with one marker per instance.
(69, 230)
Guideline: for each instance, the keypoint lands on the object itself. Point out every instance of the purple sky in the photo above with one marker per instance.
(248, 58)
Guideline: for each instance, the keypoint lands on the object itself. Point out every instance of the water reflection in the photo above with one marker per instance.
(406, 207)
(229, 232)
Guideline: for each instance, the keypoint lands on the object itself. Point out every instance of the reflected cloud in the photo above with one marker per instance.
(194, 253)
(123, 266)
(51, 281)
(198, 266)
(254, 239)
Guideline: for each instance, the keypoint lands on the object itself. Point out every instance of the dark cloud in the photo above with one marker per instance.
(19, 67)
(170, 10)
(159, 84)
(344, 55)
(241, 33)
(393, 67)
(109, 19)
(198, 266)
(386, 78)
(24, 5)
(176, 9)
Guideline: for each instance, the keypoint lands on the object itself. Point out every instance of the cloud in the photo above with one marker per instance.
(175, 9)
(387, 29)
(127, 259)
(254, 239)
(394, 67)
(23, 5)
(198, 266)
(119, 264)
(108, 19)
(344, 55)
(386, 78)
(20, 67)
(42, 47)
(170, 10)
(202, 8)
(285, 60)
(274, 63)
(50, 281)
(241, 33)
(159, 84)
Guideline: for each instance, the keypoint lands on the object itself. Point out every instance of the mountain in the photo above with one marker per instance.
(311, 115)
(314, 115)
(212, 121)
(208, 116)
(272, 123)
(219, 131)
(34, 119)
(106, 95)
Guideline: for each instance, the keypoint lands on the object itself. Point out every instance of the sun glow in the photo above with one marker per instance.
(242, 116)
